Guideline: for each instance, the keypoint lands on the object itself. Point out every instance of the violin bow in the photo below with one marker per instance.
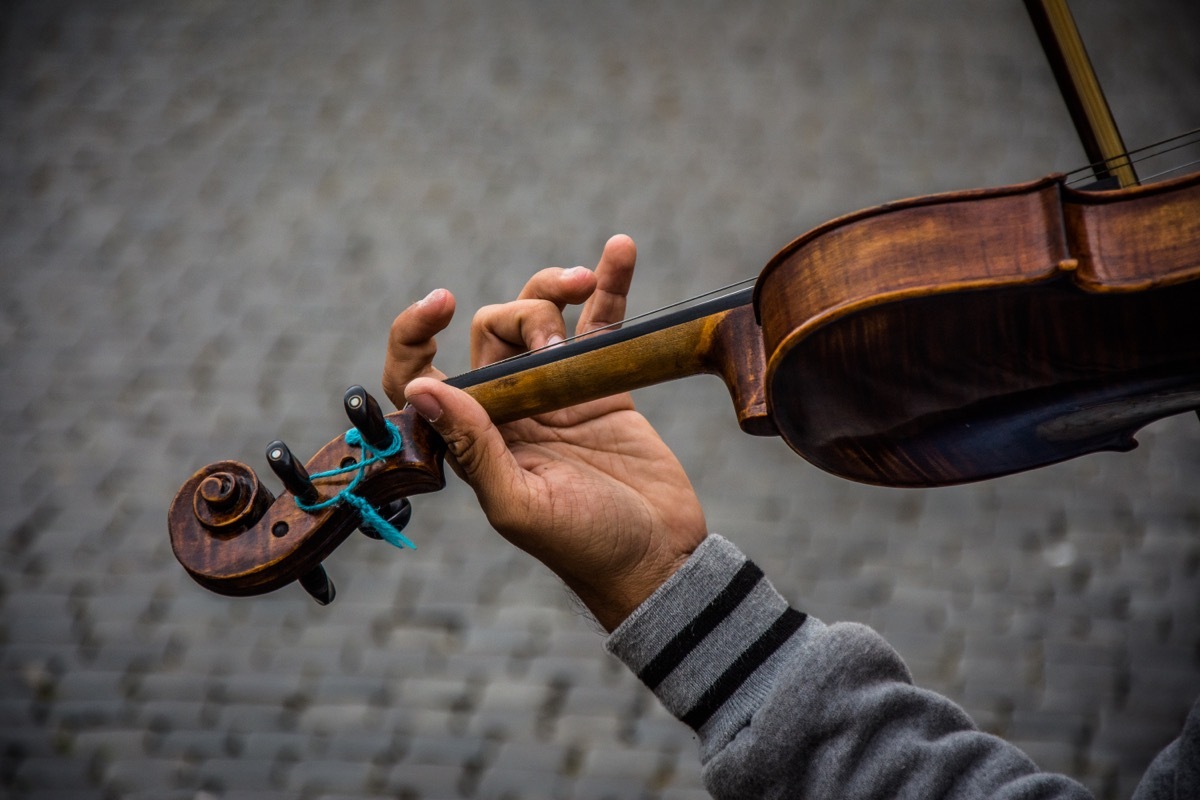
(1063, 46)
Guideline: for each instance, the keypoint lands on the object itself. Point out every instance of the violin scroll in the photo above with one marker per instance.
(227, 498)
(234, 537)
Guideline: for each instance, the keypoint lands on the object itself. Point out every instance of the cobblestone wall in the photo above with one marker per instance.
(211, 211)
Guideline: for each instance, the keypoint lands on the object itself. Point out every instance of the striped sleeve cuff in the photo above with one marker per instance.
(708, 641)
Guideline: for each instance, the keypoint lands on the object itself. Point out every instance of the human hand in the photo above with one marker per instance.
(591, 491)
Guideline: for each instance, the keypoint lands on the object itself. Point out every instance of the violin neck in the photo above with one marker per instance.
(718, 337)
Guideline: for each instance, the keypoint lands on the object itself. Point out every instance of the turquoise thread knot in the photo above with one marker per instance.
(370, 516)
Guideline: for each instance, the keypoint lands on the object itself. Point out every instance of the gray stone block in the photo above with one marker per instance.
(221, 775)
(125, 776)
(425, 780)
(313, 776)
(517, 782)
(53, 773)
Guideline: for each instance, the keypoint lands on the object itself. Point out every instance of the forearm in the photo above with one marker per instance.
(786, 706)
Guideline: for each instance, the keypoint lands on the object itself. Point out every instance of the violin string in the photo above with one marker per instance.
(1191, 163)
(1143, 149)
(1085, 178)
(1140, 152)
(1145, 156)
(1088, 176)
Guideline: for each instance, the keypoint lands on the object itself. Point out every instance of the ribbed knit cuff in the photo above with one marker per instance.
(707, 641)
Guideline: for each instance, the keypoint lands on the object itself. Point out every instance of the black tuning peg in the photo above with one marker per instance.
(291, 472)
(317, 583)
(367, 417)
(397, 512)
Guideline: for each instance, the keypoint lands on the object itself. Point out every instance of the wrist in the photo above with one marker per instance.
(613, 599)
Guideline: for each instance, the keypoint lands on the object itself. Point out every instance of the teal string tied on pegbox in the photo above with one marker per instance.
(368, 513)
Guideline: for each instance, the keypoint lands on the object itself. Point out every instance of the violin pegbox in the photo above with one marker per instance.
(235, 537)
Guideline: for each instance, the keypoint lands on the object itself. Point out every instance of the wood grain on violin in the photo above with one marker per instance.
(262, 542)
(719, 337)
(945, 339)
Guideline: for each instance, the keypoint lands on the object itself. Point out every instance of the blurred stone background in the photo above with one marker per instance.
(210, 213)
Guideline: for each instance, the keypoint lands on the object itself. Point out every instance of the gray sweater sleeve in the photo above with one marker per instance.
(786, 706)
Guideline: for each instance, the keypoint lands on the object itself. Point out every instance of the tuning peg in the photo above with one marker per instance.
(291, 472)
(397, 512)
(367, 417)
(317, 583)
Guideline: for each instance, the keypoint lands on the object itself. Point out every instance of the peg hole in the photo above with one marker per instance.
(348, 461)
(279, 529)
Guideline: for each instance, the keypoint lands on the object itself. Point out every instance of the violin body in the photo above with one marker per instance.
(965, 336)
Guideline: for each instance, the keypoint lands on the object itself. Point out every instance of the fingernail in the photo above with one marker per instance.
(427, 406)
(553, 340)
(574, 272)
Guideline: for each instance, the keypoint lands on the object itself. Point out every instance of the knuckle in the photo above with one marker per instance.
(485, 317)
(467, 451)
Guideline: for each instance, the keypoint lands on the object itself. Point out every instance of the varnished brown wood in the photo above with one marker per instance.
(1136, 239)
(735, 352)
(264, 543)
(727, 344)
(954, 338)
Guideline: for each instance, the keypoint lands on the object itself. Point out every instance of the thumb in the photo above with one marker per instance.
(471, 438)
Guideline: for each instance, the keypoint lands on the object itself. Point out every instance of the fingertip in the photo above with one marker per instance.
(432, 398)
(426, 404)
(621, 246)
(436, 303)
(415, 326)
(421, 386)
(580, 282)
(614, 273)
(575, 286)
(429, 397)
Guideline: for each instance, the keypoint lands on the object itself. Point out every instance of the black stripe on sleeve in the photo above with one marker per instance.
(721, 606)
(743, 667)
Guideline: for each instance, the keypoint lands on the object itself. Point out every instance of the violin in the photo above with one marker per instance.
(927, 342)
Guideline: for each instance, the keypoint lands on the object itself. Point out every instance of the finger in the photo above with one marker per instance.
(501, 331)
(534, 320)
(411, 346)
(614, 274)
(560, 286)
(476, 446)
